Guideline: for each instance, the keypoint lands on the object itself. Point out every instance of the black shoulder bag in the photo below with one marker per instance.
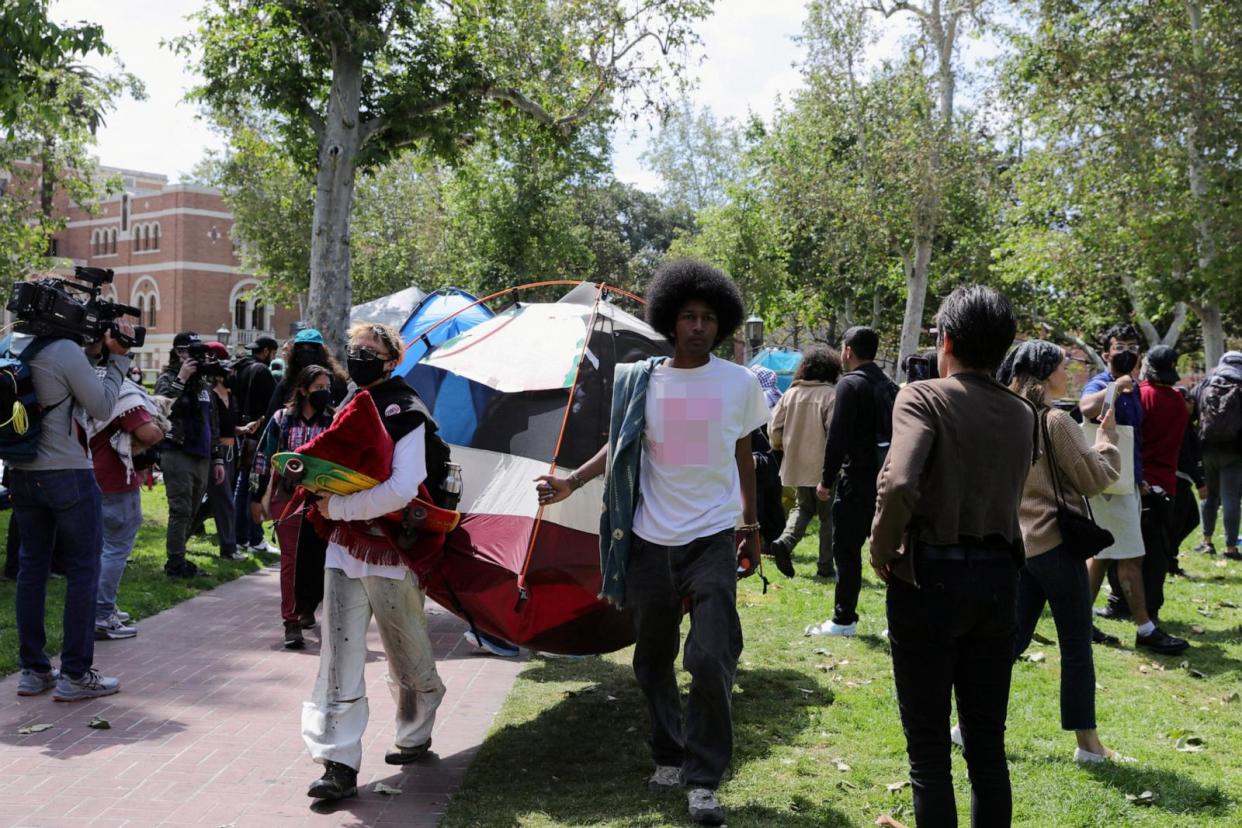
(1081, 536)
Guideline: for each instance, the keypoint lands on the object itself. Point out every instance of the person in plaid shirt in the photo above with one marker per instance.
(308, 413)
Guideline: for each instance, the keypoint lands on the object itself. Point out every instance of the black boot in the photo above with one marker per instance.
(338, 782)
(784, 560)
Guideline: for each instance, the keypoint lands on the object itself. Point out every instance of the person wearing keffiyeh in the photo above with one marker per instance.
(767, 381)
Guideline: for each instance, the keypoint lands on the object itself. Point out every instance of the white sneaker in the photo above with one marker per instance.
(123, 615)
(1086, 757)
(665, 778)
(113, 629)
(955, 736)
(830, 627)
(264, 548)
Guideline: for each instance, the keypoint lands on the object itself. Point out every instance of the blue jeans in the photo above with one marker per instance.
(246, 531)
(1222, 469)
(47, 503)
(1059, 579)
(122, 518)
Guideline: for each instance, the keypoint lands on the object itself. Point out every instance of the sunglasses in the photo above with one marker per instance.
(367, 354)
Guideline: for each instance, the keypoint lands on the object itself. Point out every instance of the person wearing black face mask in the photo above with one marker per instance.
(305, 349)
(307, 415)
(362, 581)
(1121, 514)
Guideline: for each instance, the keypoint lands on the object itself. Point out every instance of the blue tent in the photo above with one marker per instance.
(453, 399)
(784, 361)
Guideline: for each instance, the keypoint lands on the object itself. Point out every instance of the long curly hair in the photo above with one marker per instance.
(685, 280)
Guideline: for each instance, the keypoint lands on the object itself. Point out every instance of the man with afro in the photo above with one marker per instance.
(680, 480)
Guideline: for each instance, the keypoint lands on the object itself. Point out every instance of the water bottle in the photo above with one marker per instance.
(452, 485)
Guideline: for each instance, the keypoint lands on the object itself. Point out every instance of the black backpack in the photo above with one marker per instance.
(21, 415)
(1220, 411)
(885, 395)
(438, 456)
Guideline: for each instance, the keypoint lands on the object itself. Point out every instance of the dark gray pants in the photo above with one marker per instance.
(220, 500)
(185, 481)
(808, 506)
(658, 579)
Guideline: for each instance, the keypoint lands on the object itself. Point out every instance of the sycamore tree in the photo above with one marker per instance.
(350, 84)
(1135, 107)
(696, 156)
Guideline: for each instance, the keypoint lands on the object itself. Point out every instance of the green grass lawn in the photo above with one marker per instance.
(145, 589)
(818, 740)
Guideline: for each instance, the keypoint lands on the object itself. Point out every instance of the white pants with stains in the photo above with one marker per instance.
(335, 718)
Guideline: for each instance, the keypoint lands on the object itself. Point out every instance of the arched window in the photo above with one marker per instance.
(150, 314)
(145, 295)
(155, 236)
(112, 240)
(94, 242)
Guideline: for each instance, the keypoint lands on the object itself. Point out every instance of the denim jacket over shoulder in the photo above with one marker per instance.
(625, 431)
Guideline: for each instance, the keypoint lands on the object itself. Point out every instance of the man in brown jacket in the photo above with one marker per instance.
(946, 539)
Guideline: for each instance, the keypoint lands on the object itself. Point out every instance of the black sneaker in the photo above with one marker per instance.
(338, 782)
(705, 807)
(293, 636)
(1233, 554)
(1159, 641)
(784, 560)
(1206, 548)
(1114, 611)
(405, 755)
(1098, 636)
(830, 574)
(307, 620)
(180, 568)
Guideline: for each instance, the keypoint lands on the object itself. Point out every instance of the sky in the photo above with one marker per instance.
(748, 59)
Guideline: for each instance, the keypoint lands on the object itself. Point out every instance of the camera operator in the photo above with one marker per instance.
(191, 452)
(56, 494)
(220, 494)
(252, 385)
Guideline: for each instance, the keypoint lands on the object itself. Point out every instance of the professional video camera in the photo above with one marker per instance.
(58, 307)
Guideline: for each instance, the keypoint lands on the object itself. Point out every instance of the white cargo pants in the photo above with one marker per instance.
(335, 718)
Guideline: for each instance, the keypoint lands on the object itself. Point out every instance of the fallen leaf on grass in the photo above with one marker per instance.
(841, 766)
(1145, 798)
(1189, 744)
(1205, 613)
(1037, 658)
(1144, 669)
(1196, 629)
(846, 784)
(34, 728)
(1229, 604)
(822, 651)
(1221, 564)
(897, 786)
(388, 790)
(806, 691)
(825, 668)
(843, 662)
(1232, 697)
(99, 723)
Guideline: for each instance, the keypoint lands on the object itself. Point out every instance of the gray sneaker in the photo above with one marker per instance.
(32, 682)
(123, 615)
(114, 628)
(665, 778)
(90, 685)
(705, 807)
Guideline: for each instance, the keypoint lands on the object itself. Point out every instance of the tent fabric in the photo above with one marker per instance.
(392, 309)
(784, 361)
(503, 423)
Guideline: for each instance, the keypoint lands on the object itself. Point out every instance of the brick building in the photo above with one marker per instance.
(174, 258)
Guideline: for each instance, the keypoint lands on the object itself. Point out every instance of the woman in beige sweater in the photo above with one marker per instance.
(1036, 370)
(800, 429)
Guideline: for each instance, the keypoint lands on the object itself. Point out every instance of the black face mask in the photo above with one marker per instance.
(320, 399)
(1123, 363)
(364, 370)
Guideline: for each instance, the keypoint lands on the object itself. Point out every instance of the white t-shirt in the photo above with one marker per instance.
(688, 482)
(409, 469)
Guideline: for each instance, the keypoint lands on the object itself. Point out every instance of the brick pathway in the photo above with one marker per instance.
(206, 728)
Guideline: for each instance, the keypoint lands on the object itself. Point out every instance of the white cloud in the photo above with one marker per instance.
(160, 134)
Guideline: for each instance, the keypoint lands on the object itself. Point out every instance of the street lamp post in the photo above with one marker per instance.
(222, 335)
(754, 335)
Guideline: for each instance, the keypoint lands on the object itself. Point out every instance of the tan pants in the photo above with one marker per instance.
(335, 718)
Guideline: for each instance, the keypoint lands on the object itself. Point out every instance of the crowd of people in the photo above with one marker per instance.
(984, 492)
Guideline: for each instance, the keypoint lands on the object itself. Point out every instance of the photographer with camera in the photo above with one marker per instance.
(191, 453)
(252, 385)
(54, 491)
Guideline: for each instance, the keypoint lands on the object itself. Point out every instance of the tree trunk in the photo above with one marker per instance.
(330, 289)
(47, 183)
(1207, 310)
(916, 298)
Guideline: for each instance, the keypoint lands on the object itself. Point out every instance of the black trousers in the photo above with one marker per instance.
(955, 634)
(308, 571)
(658, 580)
(1157, 528)
(852, 512)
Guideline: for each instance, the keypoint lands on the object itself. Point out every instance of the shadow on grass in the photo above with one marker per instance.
(1175, 792)
(584, 759)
